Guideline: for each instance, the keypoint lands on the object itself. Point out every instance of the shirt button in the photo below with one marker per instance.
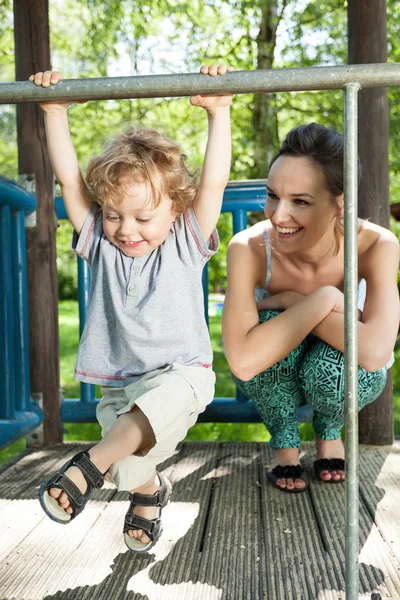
(131, 289)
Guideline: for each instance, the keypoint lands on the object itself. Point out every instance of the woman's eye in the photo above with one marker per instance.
(112, 218)
(301, 202)
(143, 220)
(272, 196)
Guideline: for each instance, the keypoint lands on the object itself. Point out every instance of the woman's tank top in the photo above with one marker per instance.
(264, 292)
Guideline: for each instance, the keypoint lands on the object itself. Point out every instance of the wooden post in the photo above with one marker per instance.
(32, 54)
(368, 44)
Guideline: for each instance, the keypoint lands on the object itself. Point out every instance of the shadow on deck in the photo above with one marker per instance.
(228, 534)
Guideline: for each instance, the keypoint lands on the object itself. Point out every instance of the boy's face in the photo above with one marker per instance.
(135, 226)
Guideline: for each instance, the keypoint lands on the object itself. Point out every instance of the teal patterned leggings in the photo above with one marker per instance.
(313, 374)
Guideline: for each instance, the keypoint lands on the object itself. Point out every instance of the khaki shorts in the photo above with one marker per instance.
(171, 398)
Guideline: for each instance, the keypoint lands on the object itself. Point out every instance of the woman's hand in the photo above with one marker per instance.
(45, 79)
(211, 103)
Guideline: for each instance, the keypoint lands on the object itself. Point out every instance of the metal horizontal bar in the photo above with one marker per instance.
(221, 410)
(189, 84)
(234, 199)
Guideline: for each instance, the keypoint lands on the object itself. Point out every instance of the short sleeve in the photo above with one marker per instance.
(87, 242)
(188, 230)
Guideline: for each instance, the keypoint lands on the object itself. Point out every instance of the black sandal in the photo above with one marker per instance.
(93, 477)
(151, 527)
(288, 472)
(329, 464)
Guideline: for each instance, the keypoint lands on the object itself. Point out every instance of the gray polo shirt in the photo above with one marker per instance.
(144, 313)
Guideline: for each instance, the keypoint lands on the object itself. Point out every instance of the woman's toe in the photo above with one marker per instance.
(299, 483)
(325, 475)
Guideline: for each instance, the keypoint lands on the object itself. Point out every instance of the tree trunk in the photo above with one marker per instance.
(265, 115)
(368, 44)
(32, 54)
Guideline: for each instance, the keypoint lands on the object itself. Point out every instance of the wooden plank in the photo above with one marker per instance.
(219, 489)
(380, 491)
(45, 545)
(296, 562)
(378, 570)
(232, 544)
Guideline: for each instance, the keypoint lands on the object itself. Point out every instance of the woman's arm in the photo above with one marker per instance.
(252, 347)
(379, 323)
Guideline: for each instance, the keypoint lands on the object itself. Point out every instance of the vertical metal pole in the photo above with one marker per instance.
(351, 338)
(87, 389)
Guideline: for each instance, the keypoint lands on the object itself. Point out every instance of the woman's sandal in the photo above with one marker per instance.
(151, 527)
(288, 472)
(329, 464)
(93, 477)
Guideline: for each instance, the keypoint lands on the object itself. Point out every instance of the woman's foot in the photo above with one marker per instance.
(330, 449)
(288, 457)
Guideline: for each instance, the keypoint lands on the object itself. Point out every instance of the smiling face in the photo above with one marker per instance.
(135, 225)
(302, 211)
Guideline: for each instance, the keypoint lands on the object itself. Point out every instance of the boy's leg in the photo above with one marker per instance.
(130, 433)
(322, 380)
(277, 395)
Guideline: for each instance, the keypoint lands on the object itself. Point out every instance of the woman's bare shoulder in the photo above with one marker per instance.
(252, 237)
(371, 236)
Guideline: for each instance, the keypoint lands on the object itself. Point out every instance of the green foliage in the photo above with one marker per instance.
(66, 263)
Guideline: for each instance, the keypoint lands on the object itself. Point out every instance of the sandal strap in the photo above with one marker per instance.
(74, 494)
(135, 522)
(288, 471)
(88, 469)
(159, 498)
(330, 464)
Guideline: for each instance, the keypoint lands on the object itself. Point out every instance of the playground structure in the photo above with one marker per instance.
(79, 411)
(21, 415)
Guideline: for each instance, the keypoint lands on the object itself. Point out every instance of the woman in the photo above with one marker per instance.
(283, 322)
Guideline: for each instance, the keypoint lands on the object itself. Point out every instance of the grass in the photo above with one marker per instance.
(69, 339)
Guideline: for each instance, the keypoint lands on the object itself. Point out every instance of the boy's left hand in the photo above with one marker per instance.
(212, 102)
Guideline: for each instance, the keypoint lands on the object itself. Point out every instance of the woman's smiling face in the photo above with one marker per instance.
(301, 209)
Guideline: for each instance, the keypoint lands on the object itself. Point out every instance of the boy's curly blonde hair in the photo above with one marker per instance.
(142, 156)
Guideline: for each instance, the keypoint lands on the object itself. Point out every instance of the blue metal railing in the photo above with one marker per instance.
(18, 414)
(240, 198)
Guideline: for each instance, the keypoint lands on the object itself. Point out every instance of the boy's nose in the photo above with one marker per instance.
(128, 228)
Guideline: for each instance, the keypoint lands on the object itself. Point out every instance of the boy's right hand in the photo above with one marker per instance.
(45, 80)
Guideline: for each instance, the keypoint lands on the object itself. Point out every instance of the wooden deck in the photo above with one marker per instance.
(228, 534)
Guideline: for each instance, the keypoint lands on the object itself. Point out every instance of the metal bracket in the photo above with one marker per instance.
(28, 183)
